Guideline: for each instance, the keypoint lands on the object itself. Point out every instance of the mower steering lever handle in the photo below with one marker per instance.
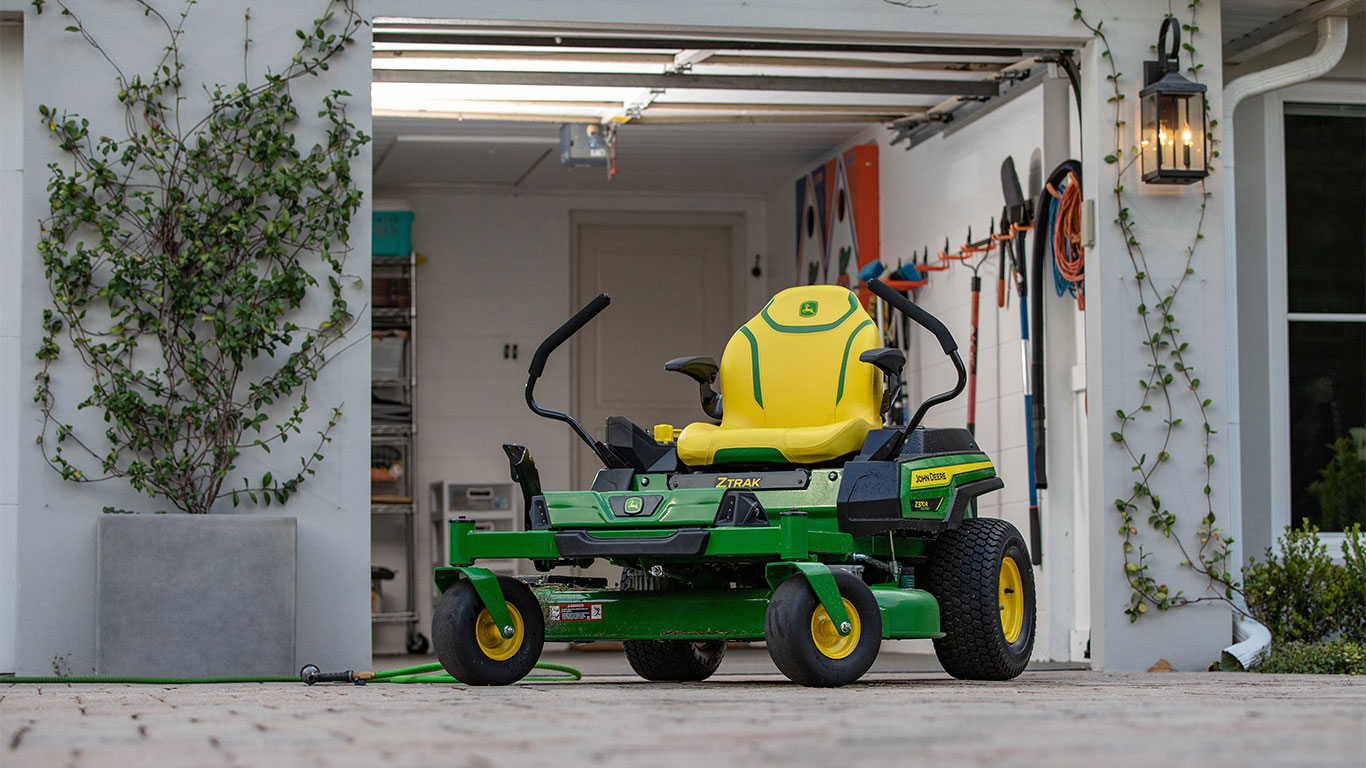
(562, 334)
(554, 340)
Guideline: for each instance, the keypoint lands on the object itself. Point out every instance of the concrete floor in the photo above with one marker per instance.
(905, 712)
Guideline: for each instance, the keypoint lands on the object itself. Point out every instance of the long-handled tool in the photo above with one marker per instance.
(965, 254)
(1018, 214)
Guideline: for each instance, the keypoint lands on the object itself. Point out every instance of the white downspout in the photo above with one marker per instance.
(1327, 53)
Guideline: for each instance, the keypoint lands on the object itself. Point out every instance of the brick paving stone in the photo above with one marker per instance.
(1052, 718)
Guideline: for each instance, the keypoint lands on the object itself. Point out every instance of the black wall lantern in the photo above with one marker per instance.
(1174, 138)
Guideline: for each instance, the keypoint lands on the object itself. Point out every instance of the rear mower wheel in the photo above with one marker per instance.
(469, 644)
(805, 644)
(678, 660)
(981, 574)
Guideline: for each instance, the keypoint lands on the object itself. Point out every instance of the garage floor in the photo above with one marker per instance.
(743, 716)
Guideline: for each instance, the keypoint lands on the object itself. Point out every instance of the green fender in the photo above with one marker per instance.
(485, 585)
(822, 582)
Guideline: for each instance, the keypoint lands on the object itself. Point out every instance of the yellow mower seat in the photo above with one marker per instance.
(793, 390)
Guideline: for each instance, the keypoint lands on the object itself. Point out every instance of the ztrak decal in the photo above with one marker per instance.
(935, 477)
(575, 611)
(785, 479)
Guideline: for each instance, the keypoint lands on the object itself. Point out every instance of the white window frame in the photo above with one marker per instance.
(1278, 316)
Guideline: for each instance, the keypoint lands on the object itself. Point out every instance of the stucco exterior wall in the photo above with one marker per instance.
(1165, 220)
(56, 520)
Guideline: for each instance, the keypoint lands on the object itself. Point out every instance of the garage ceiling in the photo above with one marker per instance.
(523, 156)
(475, 106)
(443, 69)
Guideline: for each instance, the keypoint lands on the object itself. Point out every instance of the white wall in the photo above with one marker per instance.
(11, 259)
(1165, 220)
(56, 524)
(497, 271)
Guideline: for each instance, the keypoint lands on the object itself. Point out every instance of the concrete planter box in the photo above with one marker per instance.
(196, 595)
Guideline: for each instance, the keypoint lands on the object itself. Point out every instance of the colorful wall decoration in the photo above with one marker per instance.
(838, 218)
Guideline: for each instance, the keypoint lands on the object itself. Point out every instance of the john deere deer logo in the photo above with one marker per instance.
(808, 309)
(633, 505)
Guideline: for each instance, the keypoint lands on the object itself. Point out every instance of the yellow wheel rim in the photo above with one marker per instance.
(827, 636)
(491, 640)
(1011, 599)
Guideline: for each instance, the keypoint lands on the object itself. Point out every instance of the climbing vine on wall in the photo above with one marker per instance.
(187, 258)
(1170, 376)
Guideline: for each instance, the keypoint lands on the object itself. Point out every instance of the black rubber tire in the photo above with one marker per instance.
(675, 660)
(964, 574)
(787, 631)
(453, 634)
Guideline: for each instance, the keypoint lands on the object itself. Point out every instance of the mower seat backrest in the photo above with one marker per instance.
(793, 389)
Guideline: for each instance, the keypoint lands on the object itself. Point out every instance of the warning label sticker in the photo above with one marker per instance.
(575, 611)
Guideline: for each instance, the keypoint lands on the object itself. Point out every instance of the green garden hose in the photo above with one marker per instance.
(422, 673)
(432, 673)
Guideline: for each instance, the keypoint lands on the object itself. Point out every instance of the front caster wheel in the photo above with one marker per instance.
(981, 574)
(681, 660)
(469, 644)
(807, 646)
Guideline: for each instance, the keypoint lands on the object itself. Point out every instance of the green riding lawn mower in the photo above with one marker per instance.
(799, 520)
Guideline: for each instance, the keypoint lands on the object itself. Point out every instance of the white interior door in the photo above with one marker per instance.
(670, 282)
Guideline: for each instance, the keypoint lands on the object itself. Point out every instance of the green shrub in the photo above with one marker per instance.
(1290, 592)
(1336, 657)
(1351, 589)
(1302, 596)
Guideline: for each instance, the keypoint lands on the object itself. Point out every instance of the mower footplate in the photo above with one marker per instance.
(722, 614)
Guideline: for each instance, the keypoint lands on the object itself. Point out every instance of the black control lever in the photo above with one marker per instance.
(946, 342)
(581, 318)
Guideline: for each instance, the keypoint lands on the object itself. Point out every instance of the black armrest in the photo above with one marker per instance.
(889, 360)
(702, 370)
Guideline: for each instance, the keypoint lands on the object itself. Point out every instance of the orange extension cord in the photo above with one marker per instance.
(1067, 231)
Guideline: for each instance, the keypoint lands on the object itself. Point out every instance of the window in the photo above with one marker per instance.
(1322, 339)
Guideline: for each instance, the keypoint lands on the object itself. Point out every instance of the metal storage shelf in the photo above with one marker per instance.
(392, 314)
(394, 617)
(392, 430)
(397, 440)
